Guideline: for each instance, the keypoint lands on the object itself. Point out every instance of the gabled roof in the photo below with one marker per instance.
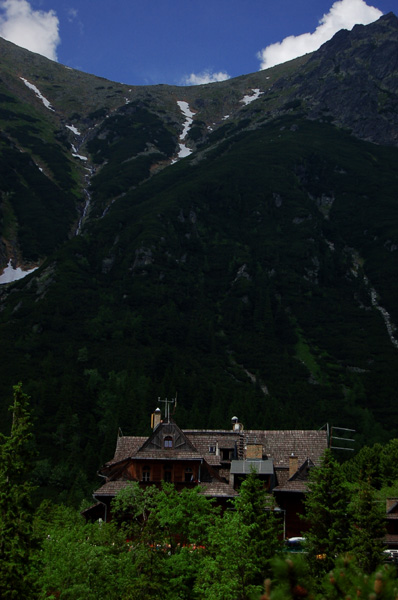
(298, 482)
(302, 472)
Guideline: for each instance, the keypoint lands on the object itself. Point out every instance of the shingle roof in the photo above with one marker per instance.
(218, 489)
(126, 446)
(292, 486)
(278, 445)
(203, 439)
(214, 489)
(111, 488)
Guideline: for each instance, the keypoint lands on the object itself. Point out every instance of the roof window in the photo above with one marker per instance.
(168, 441)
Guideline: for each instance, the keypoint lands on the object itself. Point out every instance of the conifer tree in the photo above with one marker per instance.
(16, 512)
(327, 514)
(368, 528)
(255, 507)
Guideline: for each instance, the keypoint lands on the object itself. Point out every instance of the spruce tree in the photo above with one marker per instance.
(368, 528)
(255, 506)
(16, 512)
(327, 515)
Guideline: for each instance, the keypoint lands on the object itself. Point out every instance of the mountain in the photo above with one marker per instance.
(235, 243)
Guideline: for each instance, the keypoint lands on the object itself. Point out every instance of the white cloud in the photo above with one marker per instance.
(73, 17)
(35, 30)
(72, 14)
(205, 77)
(344, 14)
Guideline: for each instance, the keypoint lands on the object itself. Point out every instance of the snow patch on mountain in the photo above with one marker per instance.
(73, 129)
(188, 114)
(254, 96)
(46, 102)
(79, 156)
(10, 274)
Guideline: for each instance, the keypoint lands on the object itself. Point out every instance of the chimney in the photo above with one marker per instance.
(236, 426)
(254, 452)
(293, 464)
(156, 417)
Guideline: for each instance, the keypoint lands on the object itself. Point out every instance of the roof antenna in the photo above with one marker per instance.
(167, 407)
(175, 405)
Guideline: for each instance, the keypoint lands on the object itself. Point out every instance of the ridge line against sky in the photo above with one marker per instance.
(179, 42)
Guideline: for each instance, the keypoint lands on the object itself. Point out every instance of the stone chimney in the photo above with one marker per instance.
(156, 418)
(293, 464)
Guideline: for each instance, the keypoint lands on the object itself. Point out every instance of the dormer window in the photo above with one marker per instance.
(168, 442)
(212, 449)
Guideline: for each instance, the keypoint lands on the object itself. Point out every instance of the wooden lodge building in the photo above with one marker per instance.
(217, 461)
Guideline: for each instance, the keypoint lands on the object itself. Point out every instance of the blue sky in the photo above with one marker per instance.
(179, 42)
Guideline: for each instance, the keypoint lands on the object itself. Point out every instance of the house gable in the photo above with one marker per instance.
(167, 437)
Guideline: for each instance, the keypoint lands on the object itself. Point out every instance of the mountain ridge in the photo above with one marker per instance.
(256, 276)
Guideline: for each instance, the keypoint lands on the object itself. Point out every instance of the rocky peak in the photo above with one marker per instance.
(353, 81)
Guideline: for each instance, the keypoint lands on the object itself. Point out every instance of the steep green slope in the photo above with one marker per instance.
(236, 282)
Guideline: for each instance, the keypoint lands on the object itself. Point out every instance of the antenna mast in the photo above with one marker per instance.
(168, 403)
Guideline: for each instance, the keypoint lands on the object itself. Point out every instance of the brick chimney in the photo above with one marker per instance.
(293, 464)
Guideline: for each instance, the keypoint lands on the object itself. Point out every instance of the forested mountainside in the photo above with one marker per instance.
(235, 243)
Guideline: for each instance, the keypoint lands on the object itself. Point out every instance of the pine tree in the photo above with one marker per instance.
(16, 512)
(327, 515)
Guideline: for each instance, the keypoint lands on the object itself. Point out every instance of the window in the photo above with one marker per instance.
(146, 474)
(188, 475)
(167, 475)
(168, 442)
(212, 449)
